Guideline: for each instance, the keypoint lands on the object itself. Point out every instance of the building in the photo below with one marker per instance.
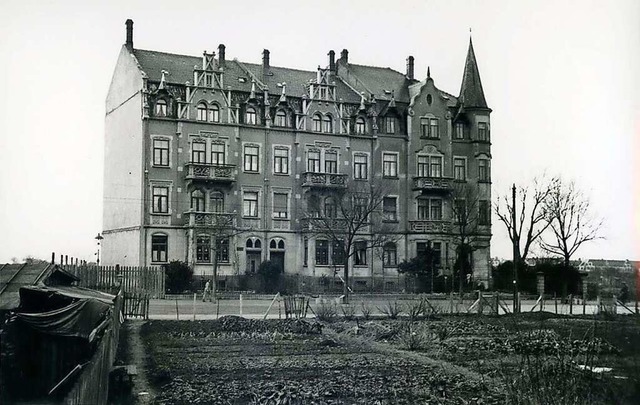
(195, 142)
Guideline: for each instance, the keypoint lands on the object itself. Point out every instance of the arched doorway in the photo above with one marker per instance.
(276, 253)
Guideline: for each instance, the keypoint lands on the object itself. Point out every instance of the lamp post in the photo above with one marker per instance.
(98, 240)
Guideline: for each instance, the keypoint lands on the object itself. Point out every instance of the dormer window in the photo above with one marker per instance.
(281, 119)
(390, 125)
(327, 125)
(250, 117)
(202, 112)
(161, 108)
(208, 79)
(323, 93)
(317, 123)
(483, 131)
(360, 125)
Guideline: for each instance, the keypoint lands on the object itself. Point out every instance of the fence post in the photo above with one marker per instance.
(555, 299)
(615, 304)
(497, 300)
(177, 312)
(584, 304)
(570, 304)
(480, 306)
(194, 306)
(598, 303)
(217, 308)
(240, 304)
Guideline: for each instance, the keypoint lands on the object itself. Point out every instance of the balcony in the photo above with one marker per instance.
(324, 180)
(216, 173)
(438, 184)
(315, 224)
(217, 220)
(430, 226)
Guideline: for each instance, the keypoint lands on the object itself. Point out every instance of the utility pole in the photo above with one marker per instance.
(515, 251)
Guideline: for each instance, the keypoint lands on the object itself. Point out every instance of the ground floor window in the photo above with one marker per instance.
(159, 248)
(222, 250)
(203, 249)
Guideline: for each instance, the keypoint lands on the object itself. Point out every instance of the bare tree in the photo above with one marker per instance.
(571, 222)
(349, 215)
(468, 222)
(532, 220)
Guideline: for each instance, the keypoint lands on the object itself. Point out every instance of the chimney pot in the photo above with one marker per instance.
(410, 68)
(129, 43)
(344, 55)
(265, 59)
(221, 55)
(332, 61)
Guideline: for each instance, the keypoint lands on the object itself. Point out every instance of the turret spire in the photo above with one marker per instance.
(471, 93)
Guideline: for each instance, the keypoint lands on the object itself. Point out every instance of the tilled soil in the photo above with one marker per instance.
(237, 361)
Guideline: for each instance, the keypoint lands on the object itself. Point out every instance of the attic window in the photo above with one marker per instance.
(242, 79)
(429, 99)
(387, 92)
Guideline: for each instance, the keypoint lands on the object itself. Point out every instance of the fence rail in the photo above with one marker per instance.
(108, 278)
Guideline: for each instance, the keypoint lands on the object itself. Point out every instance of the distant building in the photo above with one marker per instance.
(193, 140)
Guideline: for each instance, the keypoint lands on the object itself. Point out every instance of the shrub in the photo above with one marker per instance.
(392, 309)
(416, 309)
(326, 311)
(411, 337)
(365, 308)
(348, 311)
(179, 276)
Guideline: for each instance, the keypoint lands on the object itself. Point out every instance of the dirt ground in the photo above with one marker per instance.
(445, 359)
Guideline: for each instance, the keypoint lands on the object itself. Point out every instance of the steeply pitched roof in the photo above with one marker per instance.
(380, 81)
(471, 93)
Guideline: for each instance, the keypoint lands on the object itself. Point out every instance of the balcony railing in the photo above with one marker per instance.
(210, 172)
(219, 220)
(326, 180)
(310, 224)
(443, 184)
(430, 226)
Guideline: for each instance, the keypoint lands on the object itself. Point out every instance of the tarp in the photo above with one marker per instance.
(77, 319)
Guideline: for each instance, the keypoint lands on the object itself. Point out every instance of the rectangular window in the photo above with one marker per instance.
(437, 254)
(330, 162)
(390, 165)
(208, 78)
(216, 201)
(322, 252)
(222, 250)
(483, 212)
(360, 167)
(203, 249)
(424, 127)
(435, 166)
(198, 152)
(459, 130)
(306, 252)
(460, 210)
(389, 209)
(251, 158)
(430, 208)
(159, 248)
(337, 253)
(434, 128)
(160, 152)
(160, 200)
(390, 125)
(217, 154)
(281, 160)
(323, 93)
(390, 255)
(435, 209)
(459, 169)
(313, 161)
(280, 208)
(483, 170)
(360, 258)
(483, 131)
(250, 204)
(214, 113)
(423, 166)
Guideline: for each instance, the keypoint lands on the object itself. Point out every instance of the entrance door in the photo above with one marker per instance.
(277, 258)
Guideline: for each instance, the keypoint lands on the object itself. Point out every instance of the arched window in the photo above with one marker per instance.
(360, 125)
(250, 117)
(202, 112)
(253, 254)
(216, 201)
(327, 124)
(161, 108)
(281, 244)
(249, 244)
(197, 200)
(214, 113)
(281, 119)
(257, 244)
(330, 209)
(390, 254)
(273, 244)
(317, 123)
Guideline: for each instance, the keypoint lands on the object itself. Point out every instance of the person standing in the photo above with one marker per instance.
(207, 291)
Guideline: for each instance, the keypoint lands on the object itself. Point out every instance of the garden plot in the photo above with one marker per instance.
(238, 361)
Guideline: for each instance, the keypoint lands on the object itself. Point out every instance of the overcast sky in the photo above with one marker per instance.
(562, 78)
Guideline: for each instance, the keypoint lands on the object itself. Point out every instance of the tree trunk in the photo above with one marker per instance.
(346, 281)
(215, 275)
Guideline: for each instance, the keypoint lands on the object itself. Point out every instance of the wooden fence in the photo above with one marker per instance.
(150, 280)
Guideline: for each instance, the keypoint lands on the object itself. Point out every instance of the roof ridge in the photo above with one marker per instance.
(378, 67)
(272, 66)
(166, 53)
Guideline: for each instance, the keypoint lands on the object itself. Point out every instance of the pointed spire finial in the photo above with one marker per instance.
(283, 96)
(253, 88)
(428, 72)
(362, 107)
(162, 79)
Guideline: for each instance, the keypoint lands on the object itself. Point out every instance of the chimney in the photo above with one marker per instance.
(265, 61)
(344, 56)
(221, 49)
(410, 67)
(129, 43)
(332, 61)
